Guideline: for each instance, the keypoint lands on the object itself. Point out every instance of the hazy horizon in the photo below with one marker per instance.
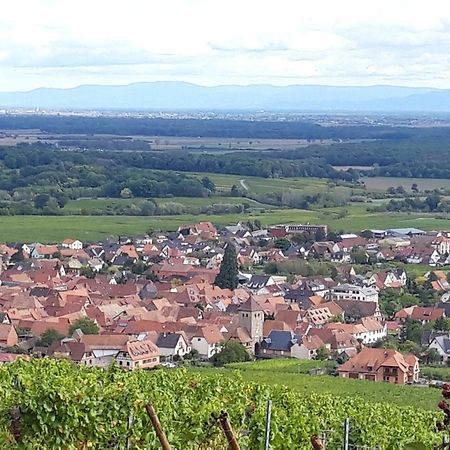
(205, 85)
(46, 43)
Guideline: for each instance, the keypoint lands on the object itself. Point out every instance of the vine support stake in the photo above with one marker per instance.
(228, 431)
(346, 433)
(129, 429)
(268, 420)
(157, 426)
(16, 423)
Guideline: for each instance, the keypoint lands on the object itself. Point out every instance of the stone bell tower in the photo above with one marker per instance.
(251, 317)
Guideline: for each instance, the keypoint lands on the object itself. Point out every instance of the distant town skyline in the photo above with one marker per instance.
(49, 43)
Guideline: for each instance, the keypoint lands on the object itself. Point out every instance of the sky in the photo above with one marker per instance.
(66, 43)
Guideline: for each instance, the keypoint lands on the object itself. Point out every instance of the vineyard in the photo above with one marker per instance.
(294, 374)
(73, 408)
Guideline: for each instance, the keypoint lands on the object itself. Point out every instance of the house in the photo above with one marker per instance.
(4, 318)
(442, 345)
(355, 310)
(348, 243)
(337, 341)
(8, 335)
(279, 343)
(207, 341)
(423, 256)
(383, 280)
(323, 313)
(353, 292)
(308, 347)
(73, 244)
(138, 355)
(284, 230)
(44, 251)
(441, 244)
(172, 345)
(90, 350)
(322, 249)
(424, 314)
(379, 364)
(205, 230)
(258, 282)
(248, 256)
(367, 331)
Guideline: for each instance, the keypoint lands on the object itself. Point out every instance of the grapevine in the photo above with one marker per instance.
(63, 406)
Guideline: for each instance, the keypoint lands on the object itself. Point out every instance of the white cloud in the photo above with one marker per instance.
(61, 43)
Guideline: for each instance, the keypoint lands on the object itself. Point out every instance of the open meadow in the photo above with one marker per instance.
(90, 228)
(88, 205)
(382, 183)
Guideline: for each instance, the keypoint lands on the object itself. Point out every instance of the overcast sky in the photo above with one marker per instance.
(65, 43)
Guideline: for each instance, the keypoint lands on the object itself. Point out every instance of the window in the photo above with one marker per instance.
(128, 363)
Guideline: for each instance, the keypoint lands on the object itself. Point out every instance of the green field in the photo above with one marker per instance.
(91, 204)
(382, 183)
(91, 228)
(260, 185)
(293, 374)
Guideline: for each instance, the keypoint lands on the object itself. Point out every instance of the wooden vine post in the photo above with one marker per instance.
(317, 443)
(228, 431)
(157, 426)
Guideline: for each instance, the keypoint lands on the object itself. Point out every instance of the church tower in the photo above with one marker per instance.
(251, 317)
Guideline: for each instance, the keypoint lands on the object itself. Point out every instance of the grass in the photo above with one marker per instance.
(283, 365)
(261, 185)
(382, 183)
(437, 373)
(292, 374)
(92, 228)
(92, 204)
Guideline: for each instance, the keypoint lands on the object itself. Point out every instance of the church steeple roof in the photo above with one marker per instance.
(250, 305)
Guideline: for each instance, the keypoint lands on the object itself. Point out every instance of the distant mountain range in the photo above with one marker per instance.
(185, 96)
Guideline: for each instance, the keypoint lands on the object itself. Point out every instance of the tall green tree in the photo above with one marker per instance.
(86, 325)
(49, 336)
(227, 278)
(231, 351)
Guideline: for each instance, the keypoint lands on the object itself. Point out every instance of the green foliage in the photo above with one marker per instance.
(359, 256)
(208, 184)
(87, 271)
(436, 372)
(300, 267)
(86, 325)
(227, 278)
(431, 356)
(48, 337)
(442, 324)
(412, 331)
(322, 354)
(282, 243)
(230, 352)
(78, 408)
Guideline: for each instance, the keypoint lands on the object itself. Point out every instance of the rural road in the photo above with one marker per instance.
(244, 184)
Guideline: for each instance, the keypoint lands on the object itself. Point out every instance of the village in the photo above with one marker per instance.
(145, 301)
